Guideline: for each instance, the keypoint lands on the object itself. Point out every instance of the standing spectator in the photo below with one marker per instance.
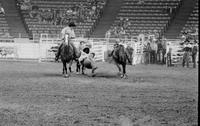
(154, 49)
(186, 55)
(168, 58)
(108, 33)
(147, 50)
(194, 54)
(164, 47)
(159, 50)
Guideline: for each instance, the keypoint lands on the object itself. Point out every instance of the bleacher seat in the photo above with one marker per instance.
(4, 29)
(36, 27)
(146, 17)
(193, 21)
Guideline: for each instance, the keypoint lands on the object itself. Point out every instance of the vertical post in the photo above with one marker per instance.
(39, 57)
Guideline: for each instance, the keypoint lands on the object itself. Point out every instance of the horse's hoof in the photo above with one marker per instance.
(93, 75)
(125, 76)
(77, 73)
(119, 73)
(122, 76)
(66, 75)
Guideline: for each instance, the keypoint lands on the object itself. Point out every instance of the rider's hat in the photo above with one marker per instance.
(72, 24)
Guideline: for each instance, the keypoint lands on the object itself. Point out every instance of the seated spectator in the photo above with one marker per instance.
(126, 23)
(26, 5)
(141, 2)
(33, 13)
(1, 10)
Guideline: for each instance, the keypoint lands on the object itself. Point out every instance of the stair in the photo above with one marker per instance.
(14, 20)
(109, 14)
(180, 19)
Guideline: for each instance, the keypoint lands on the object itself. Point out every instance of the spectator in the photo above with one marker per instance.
(186, 55)
(25, 5)
(159, 51)
(168, 58)
(147, 50)
(140, 2)
(2, 10)
(154, 49)
(194, 53)
(108, 33)
(33, 13)
(164, 47)
(126, 24)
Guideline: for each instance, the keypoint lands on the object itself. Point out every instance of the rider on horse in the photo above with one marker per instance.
(70, 31)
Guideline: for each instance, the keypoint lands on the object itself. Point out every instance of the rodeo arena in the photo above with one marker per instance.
(99, 62)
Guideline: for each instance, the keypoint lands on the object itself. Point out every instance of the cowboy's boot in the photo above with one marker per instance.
(57, 56)
(58, 53)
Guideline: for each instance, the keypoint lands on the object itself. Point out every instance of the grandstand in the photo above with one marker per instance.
(84, 27)
(192, 23)
(148, 16)
(145, 16)
(4, 29)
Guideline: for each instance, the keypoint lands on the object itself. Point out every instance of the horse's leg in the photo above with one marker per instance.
(64, 69)
(63, 72)
(124, 75)
(119, 68)
(78, 67)
(70, 66)
(83, 68)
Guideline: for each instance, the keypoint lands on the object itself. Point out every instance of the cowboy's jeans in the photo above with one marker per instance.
(194, 60)
(76, 53)
(186, 58)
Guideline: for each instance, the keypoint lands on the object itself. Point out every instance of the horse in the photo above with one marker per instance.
(67, 57)
(120, 57)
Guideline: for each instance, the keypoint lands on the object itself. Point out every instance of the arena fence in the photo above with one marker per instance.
(45, 48)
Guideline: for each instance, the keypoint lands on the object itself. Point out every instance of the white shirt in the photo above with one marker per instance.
(2, 10)
(124, 44)
(68, 30)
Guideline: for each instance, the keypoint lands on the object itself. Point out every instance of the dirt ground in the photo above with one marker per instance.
(36, 94)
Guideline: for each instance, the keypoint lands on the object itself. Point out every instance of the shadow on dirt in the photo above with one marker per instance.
(107, 75)
(52, 75)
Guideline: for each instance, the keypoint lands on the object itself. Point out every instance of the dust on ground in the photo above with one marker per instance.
(36, 94)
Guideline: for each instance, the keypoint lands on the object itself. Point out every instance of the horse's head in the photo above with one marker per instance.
(119, 53)
(119, 47)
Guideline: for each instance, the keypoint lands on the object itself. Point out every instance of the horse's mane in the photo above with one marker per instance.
(119, 54)
(67, 52)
